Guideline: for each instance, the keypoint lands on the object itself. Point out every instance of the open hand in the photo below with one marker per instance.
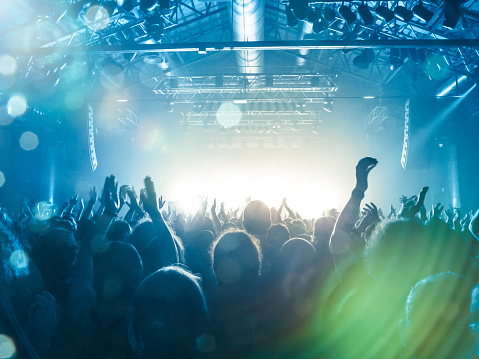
(93, 195)
(148, 197)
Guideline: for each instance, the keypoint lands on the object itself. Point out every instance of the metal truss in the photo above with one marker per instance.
(461, 58)
(129, 118)
(376, 117)
(257, 129)
(51, 40)
(246, 88)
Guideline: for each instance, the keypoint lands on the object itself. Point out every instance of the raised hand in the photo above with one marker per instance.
(93, 195)
(81, 207)
(370, 217)
(110, 196)
(413, 206)
(450, 216)
(213, 207)
(161, 203)
(73, 201)
(457, 218)
(130, 193)
(123, 189)
(203, 203)
(404, 199)
(474, 225)
(436, 211)
(364, 166)
(464, 222)
(274, 213)
(392, 212)
(371, 212)
(148, 197)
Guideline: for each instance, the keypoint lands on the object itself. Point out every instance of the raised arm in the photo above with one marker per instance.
(81, 294)
(89, 207)
(163, 242)
(71, 203)
(413, 206)
(285, 206)
(222, 214)
(216, 220)
(199, 218)
(474, 225)
(343, 239)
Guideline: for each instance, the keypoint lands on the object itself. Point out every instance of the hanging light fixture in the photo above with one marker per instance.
(365, 14)
(312, 15)
(364, 59)
(423, 14)
(452, 14)
(290, 17)
(300, 8)
(385, 13)
(347, 14)
(328, 13)
(320, 24)
(148, 5)
(403, 13)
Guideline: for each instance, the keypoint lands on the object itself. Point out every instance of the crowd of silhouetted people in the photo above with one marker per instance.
(79, 281)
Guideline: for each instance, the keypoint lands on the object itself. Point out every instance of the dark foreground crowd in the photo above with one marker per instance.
(258, 282)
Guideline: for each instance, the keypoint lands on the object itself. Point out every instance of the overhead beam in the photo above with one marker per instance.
(252, 45)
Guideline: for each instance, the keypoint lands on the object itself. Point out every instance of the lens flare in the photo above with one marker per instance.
(73, 100)
(436, 67)
(19, 260)
(8, 65)
(17, 105)
(29, 141)
(2, 179)
(97, 18)
(228, 115)
(7, 347)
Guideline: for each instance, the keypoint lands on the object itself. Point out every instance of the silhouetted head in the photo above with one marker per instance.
(296, 228)
(141, 236)
(54, 252)
(236, 258)
(117, 273)
(323, 227)
(208, 225)
(277, 235)
(438, 318)
(168, 313)
(256, 218)
(298, 252)
(427, 250)
(197, 250)
(119, 231)
(228, 226)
